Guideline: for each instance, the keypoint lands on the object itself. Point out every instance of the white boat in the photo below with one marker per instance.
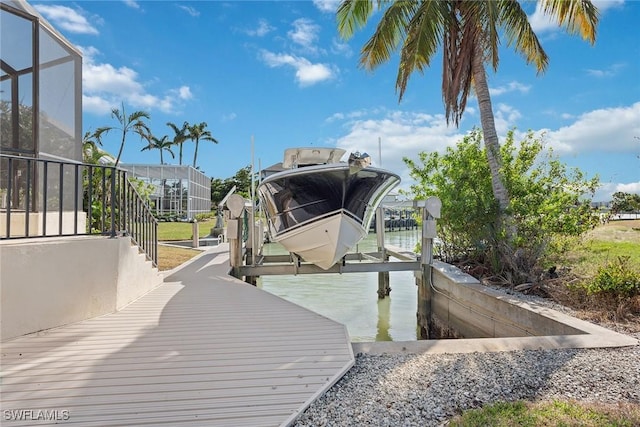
(319, 207)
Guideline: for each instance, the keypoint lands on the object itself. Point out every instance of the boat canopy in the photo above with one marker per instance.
(300, 196)
(294, 157)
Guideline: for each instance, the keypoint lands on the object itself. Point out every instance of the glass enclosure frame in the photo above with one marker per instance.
(179, 191)
(40, 112)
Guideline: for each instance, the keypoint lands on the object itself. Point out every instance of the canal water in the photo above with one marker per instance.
(352, 298)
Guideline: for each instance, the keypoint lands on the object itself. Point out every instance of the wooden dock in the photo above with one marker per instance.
(201, 349)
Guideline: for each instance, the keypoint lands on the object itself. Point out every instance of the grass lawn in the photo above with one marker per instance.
(168, 231)
(606, 243)
(170, 257)
(552, 414)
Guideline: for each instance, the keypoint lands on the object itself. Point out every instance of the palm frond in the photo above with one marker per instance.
(577, 16)
(521, 36)
(353, 15)
(389, 34)
(424, 35)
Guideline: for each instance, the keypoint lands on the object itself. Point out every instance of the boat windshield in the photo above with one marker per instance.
(297, 198)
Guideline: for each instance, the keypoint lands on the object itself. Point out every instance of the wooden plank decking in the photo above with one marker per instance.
(201, 349)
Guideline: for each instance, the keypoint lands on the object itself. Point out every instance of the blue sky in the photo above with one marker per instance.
(277, 72)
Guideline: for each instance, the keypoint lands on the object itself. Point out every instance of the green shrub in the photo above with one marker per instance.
(547, 208)
(615, 278)
(205, 216)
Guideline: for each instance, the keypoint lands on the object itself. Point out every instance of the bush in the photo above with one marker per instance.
(205, 216)
(615, 278)
(547, 204)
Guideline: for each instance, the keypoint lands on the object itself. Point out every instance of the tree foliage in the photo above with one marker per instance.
(134, 122)
(180, 136)
(468, 36)
(547, 201)
(160, 144)
(625, 202)
(199, 132)
(220, 187)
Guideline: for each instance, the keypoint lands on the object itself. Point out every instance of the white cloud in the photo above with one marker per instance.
(608, 72)
(505, 117)
(305, 34)
(613, 129)
(262, 29)
(327, 6)
(229, 117)
(307, 73)
(96, 104)
(184, 92)
(605, 192)
(190, 10)
(340, 48)
(107, 78)
(401, 134)
(105, 87)
(631, 187)
(509, 87)
(603, 5)
(132, 4)
(66, 18)
(405, 134)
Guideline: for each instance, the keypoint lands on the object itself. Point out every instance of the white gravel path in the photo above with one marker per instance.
(428, 389)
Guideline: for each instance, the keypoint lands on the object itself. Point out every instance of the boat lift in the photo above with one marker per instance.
(248, 262)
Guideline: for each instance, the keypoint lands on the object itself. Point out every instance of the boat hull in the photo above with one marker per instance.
(325, 241)
(320, 212)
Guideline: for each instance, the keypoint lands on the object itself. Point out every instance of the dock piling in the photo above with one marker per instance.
(383, 276)
(430, 213)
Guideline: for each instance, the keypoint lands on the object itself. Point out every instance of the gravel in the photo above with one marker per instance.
(428, 389)
(423, 390)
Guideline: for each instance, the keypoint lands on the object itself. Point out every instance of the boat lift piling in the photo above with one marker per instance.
(384, 288)
(248, 262)
(430, 213)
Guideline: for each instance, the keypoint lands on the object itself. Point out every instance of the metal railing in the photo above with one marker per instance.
(48, 198)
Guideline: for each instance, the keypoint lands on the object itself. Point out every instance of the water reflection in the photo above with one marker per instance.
(384, 311)
(352, 298)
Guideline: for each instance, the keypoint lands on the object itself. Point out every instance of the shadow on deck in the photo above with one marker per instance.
(202, 348)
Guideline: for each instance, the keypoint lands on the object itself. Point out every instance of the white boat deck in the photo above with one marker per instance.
(201, 349)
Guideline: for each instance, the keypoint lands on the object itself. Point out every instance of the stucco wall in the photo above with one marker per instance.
(46, 283)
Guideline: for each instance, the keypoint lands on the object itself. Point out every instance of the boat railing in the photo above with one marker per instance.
(55, 198)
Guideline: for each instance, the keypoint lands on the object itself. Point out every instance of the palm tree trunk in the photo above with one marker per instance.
(120, 151)
(492, 147)
(195, 154)
(180, 160)
(490, 135)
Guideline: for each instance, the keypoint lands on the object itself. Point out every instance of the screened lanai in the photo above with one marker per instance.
(40, 119)
(179, 192)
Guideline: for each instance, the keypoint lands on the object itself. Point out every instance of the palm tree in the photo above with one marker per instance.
(91, 151)
(198, 132)
(161, 144)
(133, 122)
(468, 33)
(90, 148)
(180, 137)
